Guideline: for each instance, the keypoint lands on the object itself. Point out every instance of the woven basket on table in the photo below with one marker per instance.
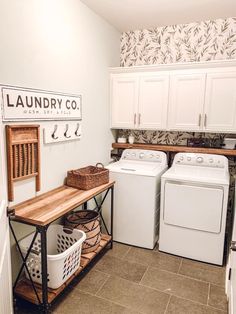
(88, 177)
(89, 222)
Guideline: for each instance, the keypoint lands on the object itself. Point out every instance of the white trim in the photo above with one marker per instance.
(174, 66)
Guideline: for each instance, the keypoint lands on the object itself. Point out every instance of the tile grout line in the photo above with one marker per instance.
(174, 295)
(167, 304)
(185, 276)
(180, 265)
(107, 300)
(208, 296)
(123, 257)
(99, 289)
(143, 275)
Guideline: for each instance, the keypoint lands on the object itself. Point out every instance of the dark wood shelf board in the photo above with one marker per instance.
(177, 149)
(24, 288)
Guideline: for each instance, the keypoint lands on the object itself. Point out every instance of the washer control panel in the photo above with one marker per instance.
(204, 160)
(144, 155)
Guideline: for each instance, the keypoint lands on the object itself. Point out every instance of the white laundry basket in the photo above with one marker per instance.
(63, 254)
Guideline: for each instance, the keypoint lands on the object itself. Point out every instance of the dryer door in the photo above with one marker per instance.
(193, 206)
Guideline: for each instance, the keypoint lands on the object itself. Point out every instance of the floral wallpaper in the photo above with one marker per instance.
(200, 41)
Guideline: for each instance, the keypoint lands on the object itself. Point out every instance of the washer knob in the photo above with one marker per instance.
(151, 156)
(211, 160)
(181, 158)
(199, 160)
(189, 158)
(141, 155)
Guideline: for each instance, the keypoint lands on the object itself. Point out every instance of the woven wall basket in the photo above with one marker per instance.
(89, 222)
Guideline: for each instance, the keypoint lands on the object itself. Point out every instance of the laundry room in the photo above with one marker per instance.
(118, 156)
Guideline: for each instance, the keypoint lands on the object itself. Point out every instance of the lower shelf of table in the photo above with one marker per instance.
(24, 287)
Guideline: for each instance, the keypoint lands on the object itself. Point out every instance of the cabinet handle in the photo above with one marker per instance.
(205, 120)
(199, 119)
(139, 118)
(134, 118)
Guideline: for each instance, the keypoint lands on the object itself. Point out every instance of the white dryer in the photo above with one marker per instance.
(194, 196)
(137, 196)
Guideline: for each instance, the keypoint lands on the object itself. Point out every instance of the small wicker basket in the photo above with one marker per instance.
(89, 222)
(88, 177)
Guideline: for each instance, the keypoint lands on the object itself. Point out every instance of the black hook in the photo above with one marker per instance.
(67, 128)
(54, 133)
(77, 129)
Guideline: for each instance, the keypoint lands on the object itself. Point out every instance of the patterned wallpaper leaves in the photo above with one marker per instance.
(202, 41)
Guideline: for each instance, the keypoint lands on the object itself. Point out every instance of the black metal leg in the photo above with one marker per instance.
(99, 209)
(44, 274)
(112, 209)
(24, 260)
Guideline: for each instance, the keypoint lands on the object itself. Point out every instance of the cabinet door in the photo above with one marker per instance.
(220, 103)
(153, 101)
(124, 100)
(187, 92)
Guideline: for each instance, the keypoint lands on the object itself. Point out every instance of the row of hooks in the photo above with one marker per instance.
(77, 133)
(62, 132)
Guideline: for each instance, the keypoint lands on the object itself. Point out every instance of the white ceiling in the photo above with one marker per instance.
(140, 14)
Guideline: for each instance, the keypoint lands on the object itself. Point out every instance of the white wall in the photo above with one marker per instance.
(61, 45)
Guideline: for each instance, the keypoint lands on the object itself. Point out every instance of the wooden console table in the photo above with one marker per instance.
(40, 212)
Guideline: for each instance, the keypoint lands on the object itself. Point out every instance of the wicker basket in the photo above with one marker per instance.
(89, 222)
(88, 178)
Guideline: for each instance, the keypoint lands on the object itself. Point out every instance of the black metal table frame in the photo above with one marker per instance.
(42, 230)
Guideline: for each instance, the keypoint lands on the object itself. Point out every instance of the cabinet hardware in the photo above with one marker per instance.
(233, 246)
(134, 118)
(229, 276)
(205, 120)
(139, 118)
(199, 119)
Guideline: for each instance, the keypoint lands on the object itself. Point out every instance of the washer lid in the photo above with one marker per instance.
(137, 168)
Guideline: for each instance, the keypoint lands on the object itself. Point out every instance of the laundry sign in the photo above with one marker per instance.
(31, 104)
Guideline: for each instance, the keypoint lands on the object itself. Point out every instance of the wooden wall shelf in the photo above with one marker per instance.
(177, 149)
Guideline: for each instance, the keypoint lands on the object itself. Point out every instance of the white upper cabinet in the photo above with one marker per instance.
(186, 101)
(153, 101)
(124, 100)
(139, 101)
(220, 102)
(195, 97)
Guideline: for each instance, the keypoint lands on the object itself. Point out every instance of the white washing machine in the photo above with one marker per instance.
(194, 196)
(137, 196)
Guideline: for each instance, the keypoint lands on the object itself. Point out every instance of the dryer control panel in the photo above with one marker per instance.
(203, 160)
(144, 155)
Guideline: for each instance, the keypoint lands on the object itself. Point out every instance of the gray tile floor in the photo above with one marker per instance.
(130, 280)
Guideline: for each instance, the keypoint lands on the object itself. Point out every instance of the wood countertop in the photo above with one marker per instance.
(47, 207)
(177, 149)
